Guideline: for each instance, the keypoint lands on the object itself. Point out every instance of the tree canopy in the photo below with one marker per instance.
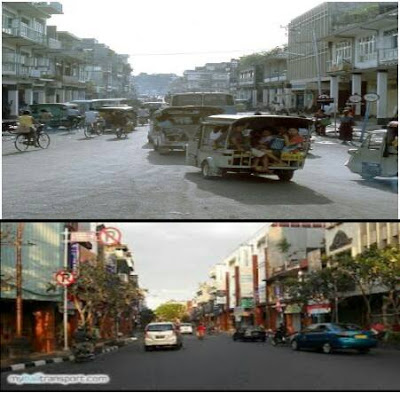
(170, 311)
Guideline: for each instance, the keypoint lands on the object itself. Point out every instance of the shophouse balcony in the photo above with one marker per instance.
(51, 7)
(390, 54)
(72, 80)
(367, 57)
(340, 65)
(247, 82)
(276, 78)
(54, 44)
(26, 32)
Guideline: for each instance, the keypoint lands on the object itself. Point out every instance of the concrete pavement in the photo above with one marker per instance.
(107, 178)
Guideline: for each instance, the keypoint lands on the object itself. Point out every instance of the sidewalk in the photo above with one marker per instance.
(371, 125)
(36, 359)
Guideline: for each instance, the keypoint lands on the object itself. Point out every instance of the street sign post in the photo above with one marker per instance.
(110, 236)
(369, 97)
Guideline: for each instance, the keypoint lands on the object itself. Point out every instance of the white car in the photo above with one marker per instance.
(162, 334)
(186, 328)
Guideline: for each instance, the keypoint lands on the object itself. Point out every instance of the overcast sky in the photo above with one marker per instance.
(171, 259)
(227, 28)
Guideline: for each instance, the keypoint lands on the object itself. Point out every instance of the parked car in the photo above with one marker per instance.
(378, 154)
(249, 333)
(186, 328)
(333, 336)
(162, 334)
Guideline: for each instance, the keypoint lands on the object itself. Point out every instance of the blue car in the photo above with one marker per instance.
(333, 336)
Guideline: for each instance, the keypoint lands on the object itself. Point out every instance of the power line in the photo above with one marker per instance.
(195, 53)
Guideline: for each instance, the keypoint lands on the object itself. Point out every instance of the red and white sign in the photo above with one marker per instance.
(110, 236)
(313, 309)
(65, 278)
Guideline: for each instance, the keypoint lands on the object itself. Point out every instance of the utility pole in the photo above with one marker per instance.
(65, 309)
(317, 61)
(18, 268)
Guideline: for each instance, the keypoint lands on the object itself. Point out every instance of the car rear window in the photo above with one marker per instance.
(187, 99)
(160, 328)
(218, 99)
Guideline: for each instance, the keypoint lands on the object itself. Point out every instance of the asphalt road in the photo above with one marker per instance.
(107, 178)
(218, 363)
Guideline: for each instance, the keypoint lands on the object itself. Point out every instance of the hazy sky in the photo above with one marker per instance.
(227, 28)
(171, 259)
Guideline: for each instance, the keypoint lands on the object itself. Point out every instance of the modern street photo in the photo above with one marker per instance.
(216, 306)
(218, 112)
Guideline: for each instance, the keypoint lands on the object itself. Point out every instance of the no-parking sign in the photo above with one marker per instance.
(65, 278)
(110, 236)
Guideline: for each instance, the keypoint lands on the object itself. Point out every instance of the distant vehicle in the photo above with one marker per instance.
(331, 336)
(249, 333)
(59, 113)
(186, 328)
(242, 105)
(378, 154)
(224, 101)
(97, 103)
(162, 334)
(173, 127)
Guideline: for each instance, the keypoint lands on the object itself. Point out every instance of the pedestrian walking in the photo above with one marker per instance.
(346, 127)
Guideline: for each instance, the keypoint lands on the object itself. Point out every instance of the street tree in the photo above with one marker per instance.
(374, 270)
(321, 285)
(170, 311)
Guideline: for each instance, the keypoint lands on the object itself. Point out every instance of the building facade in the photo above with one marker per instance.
(41, 255)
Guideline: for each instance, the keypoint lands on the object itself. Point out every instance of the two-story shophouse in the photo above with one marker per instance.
(363, 51)
(24, 52)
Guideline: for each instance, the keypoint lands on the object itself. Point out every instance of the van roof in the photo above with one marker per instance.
(228, 119)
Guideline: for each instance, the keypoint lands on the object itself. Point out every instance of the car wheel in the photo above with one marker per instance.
(295, 345)
(327, 348)
(206, 171)
(363, 350)
(146, 348)
(263, 340)
(285, 175)
(234, 338)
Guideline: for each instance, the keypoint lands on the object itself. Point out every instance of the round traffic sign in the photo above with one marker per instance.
(371, 97)
(355, 98)
(110, 236)
(65, 278)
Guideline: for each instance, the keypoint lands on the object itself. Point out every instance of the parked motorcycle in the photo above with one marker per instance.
(83, 351)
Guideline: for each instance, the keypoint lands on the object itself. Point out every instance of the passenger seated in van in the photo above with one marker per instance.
(293, 141)
(260, 147)
(217, 137)
(238, 140)
(272, 147)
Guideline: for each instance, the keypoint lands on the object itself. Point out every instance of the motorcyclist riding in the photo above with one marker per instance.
(201, 330)
(280, 333)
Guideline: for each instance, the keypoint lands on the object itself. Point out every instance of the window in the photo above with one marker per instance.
(343, 51)
(367, 48)
(390, 39)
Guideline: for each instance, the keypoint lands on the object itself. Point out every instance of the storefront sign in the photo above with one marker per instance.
(83, 237)
(74, 258)
(247, 303)
(293, 309)
(314, 309)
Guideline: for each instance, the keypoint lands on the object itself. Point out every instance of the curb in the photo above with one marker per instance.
(36, 363)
